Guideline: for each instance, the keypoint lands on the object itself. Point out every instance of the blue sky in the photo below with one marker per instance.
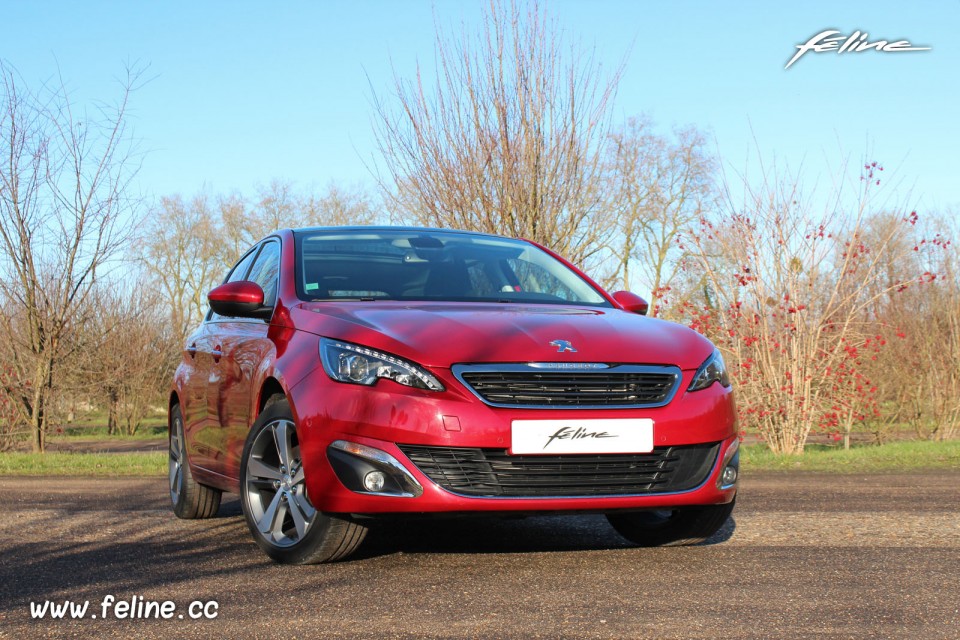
(243, 93)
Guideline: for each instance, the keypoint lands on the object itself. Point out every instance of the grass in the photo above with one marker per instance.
(893, 457)
(89, 434)
(83, 464)
(916, 455)
(94, 426)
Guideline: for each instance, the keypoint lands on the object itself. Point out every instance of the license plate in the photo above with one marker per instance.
(551, 437)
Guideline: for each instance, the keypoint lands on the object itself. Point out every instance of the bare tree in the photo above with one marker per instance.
(279, 204)
(182, 253)
(128, 361)
(339, 205)
(14, 421)
(186, 247)
(923, 329)
(243, 221)
(788, 295)
(507, 137)
(65, 212)
(658, 186)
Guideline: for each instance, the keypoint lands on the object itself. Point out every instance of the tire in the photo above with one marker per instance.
(677, 528)
(274, 500)
(191, 500)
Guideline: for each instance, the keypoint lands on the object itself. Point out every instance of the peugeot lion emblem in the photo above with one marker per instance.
(563, 345)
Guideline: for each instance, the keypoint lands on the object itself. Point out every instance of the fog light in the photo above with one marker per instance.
(729, 476)
(374, 481)
(364, 469)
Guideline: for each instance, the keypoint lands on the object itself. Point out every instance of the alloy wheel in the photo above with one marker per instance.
(274, 490)
(176, 460)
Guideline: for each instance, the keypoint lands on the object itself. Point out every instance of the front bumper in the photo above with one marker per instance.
(387, 415)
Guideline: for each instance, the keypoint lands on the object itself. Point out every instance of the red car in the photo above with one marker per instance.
(346, 373)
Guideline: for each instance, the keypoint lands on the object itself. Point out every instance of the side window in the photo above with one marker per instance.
(266, 272)
(238, 272)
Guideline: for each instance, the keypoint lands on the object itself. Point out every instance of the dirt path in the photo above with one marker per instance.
(805, 556)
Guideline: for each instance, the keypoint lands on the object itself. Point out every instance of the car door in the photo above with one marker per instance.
(204, 352)
(195, 366)
(244, 345)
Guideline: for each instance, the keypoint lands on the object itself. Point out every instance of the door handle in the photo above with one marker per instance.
(192, 350)
(216, 353)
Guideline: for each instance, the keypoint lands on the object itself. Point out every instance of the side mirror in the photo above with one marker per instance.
(241, 299)
(631, 302)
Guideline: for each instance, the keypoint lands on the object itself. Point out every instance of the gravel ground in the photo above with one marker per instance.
(804, 556)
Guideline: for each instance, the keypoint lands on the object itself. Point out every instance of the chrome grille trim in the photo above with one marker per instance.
(590, 386)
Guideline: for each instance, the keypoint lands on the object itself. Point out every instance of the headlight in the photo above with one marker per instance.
(351, 363)
(713, 370)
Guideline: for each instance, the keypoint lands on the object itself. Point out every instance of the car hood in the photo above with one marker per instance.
(443, 334)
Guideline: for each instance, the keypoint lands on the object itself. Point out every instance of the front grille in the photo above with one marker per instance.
(495, 473)
(526, 385)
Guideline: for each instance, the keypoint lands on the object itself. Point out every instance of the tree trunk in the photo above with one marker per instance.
(38, 419)
(38, 428)
(847, 428)
(113, 424)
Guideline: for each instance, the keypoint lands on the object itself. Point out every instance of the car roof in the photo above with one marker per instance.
(410, 229)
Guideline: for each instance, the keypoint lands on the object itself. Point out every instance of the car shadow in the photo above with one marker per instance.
(488, 534)
(164, 553)
(484, 535)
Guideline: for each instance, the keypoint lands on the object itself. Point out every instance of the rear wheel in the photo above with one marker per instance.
(191, 500)
(671, 528)
(283, 521)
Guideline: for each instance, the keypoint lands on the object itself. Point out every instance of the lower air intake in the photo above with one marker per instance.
(495, 473)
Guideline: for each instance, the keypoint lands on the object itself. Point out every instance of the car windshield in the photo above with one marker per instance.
(395, 264)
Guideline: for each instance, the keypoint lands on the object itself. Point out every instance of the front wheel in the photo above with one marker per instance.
(283, 521)
(671, 528)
